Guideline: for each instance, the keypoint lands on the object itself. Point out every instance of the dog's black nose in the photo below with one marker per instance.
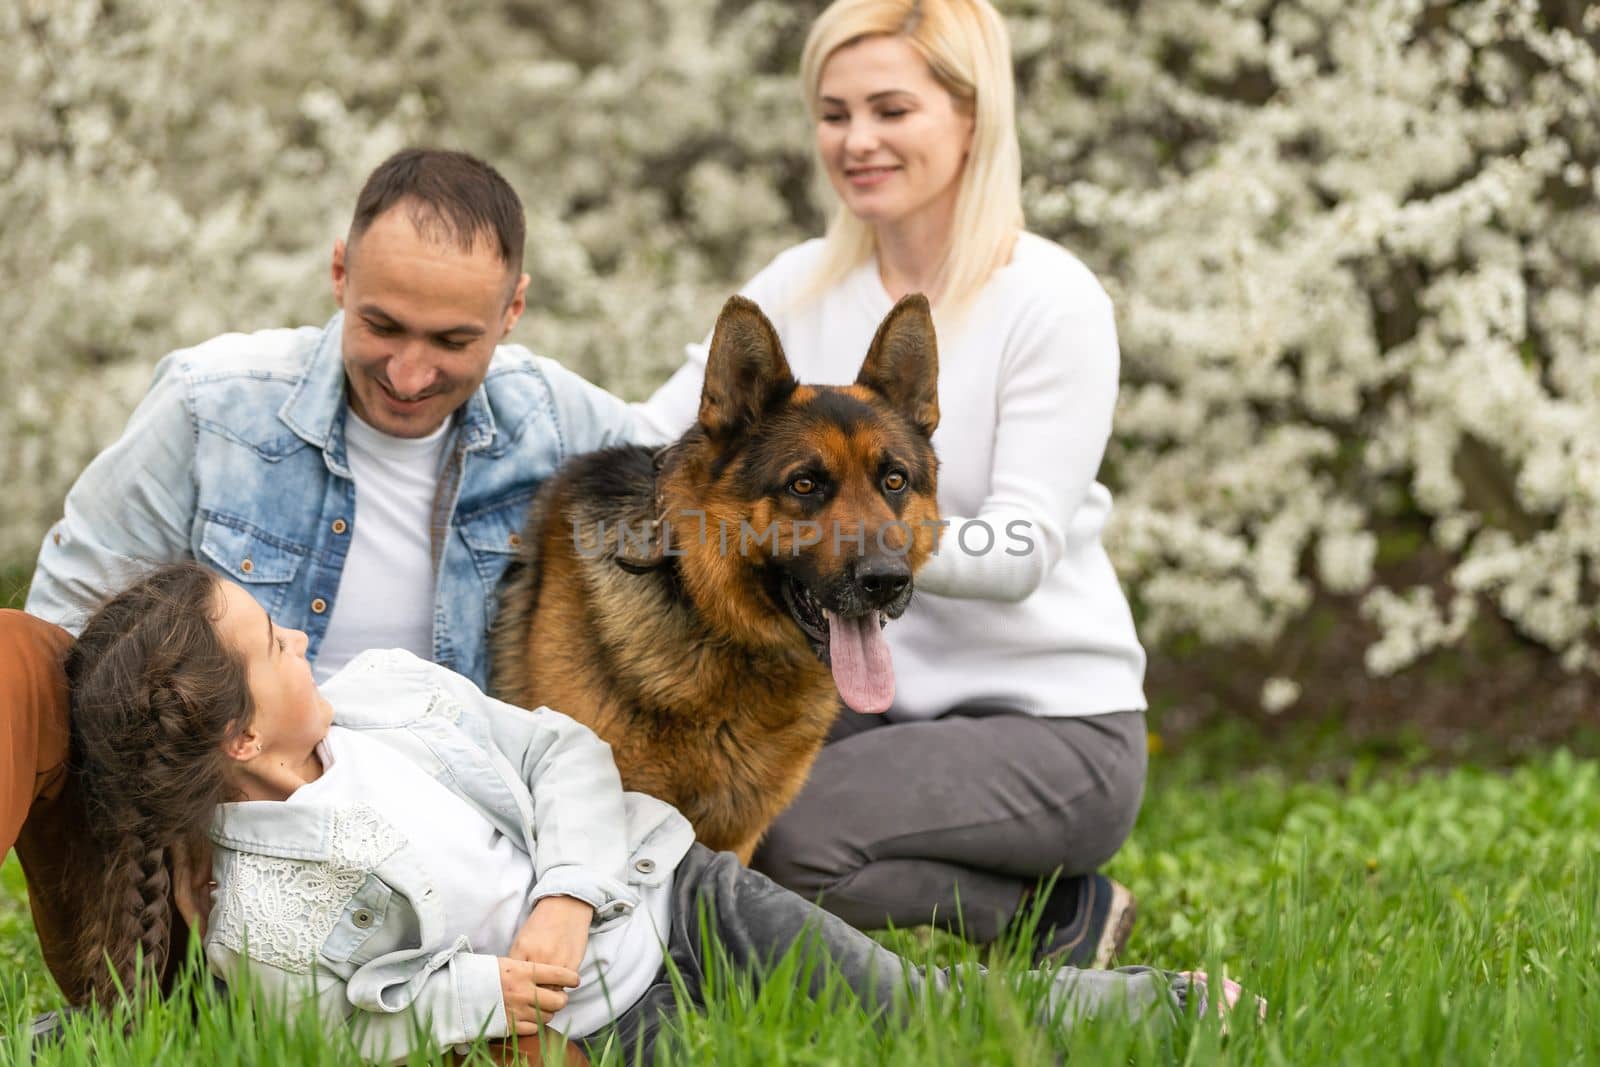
(882, 578)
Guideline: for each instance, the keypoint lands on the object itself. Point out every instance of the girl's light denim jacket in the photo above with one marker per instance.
(236, 457)
(331, 903)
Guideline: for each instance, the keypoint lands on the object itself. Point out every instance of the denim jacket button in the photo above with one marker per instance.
(318, 606)
(340, 526)
(247, 565)
(362, 918)
(644, 866)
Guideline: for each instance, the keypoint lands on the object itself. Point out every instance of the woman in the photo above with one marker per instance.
(1016, 746)
(421, 862)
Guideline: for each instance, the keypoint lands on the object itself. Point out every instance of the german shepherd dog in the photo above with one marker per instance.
(703, 608)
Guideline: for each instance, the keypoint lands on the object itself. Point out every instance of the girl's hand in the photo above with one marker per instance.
(556, 933)
(533, 992)
(1230, 996)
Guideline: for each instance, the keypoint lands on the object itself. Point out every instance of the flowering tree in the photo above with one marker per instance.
(1353, 247)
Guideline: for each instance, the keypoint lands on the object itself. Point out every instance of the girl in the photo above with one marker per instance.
(412, 855)
(1016, 744)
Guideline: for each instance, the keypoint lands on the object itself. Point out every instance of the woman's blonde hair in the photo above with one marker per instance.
(968, 52)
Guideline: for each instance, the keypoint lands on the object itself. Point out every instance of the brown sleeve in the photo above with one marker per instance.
(33, 717)
(41, 809)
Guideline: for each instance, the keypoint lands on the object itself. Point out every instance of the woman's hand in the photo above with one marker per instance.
(533, 992)
(556, 933)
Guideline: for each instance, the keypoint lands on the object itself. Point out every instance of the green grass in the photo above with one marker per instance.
(14, 581)
(1397, 916)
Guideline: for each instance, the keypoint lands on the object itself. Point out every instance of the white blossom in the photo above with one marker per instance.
(1278, 694)
(1352, 247)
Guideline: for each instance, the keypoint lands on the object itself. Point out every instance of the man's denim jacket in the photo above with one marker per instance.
(331, 903)
(236, 457)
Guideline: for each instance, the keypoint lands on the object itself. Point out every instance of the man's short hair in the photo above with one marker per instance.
(450, 196)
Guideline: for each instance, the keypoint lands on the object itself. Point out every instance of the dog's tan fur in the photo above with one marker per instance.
(679, 654)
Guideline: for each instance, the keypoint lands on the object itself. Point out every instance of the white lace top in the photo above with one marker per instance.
(280, 909)
(482, 878)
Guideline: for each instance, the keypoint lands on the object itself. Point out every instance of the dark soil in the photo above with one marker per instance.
(1494, 700)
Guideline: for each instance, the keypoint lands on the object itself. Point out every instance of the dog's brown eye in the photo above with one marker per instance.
(803, 487)
(894, 482)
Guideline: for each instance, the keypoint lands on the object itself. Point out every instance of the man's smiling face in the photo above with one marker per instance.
(422, 317)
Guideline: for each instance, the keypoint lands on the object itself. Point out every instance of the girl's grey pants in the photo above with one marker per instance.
(750, 920)
(952, 820)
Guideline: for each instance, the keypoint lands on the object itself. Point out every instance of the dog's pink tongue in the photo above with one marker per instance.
(862, 667)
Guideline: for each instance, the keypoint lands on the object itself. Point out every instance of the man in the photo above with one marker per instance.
(365, 481)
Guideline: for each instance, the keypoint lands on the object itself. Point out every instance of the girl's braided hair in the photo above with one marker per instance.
(155, 695)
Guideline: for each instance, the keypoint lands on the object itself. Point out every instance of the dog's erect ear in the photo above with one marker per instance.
(745, 372)
(902, 365)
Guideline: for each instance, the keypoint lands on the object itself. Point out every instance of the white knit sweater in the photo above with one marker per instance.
(1027, 385)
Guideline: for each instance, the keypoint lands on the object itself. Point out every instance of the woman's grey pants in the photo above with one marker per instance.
(751, 921)
(952, 820)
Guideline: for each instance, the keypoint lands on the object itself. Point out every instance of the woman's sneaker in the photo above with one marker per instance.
(1084, 922)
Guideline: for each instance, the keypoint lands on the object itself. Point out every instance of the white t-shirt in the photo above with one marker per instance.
(1035, 620)
(385, 597)
(483, 879)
